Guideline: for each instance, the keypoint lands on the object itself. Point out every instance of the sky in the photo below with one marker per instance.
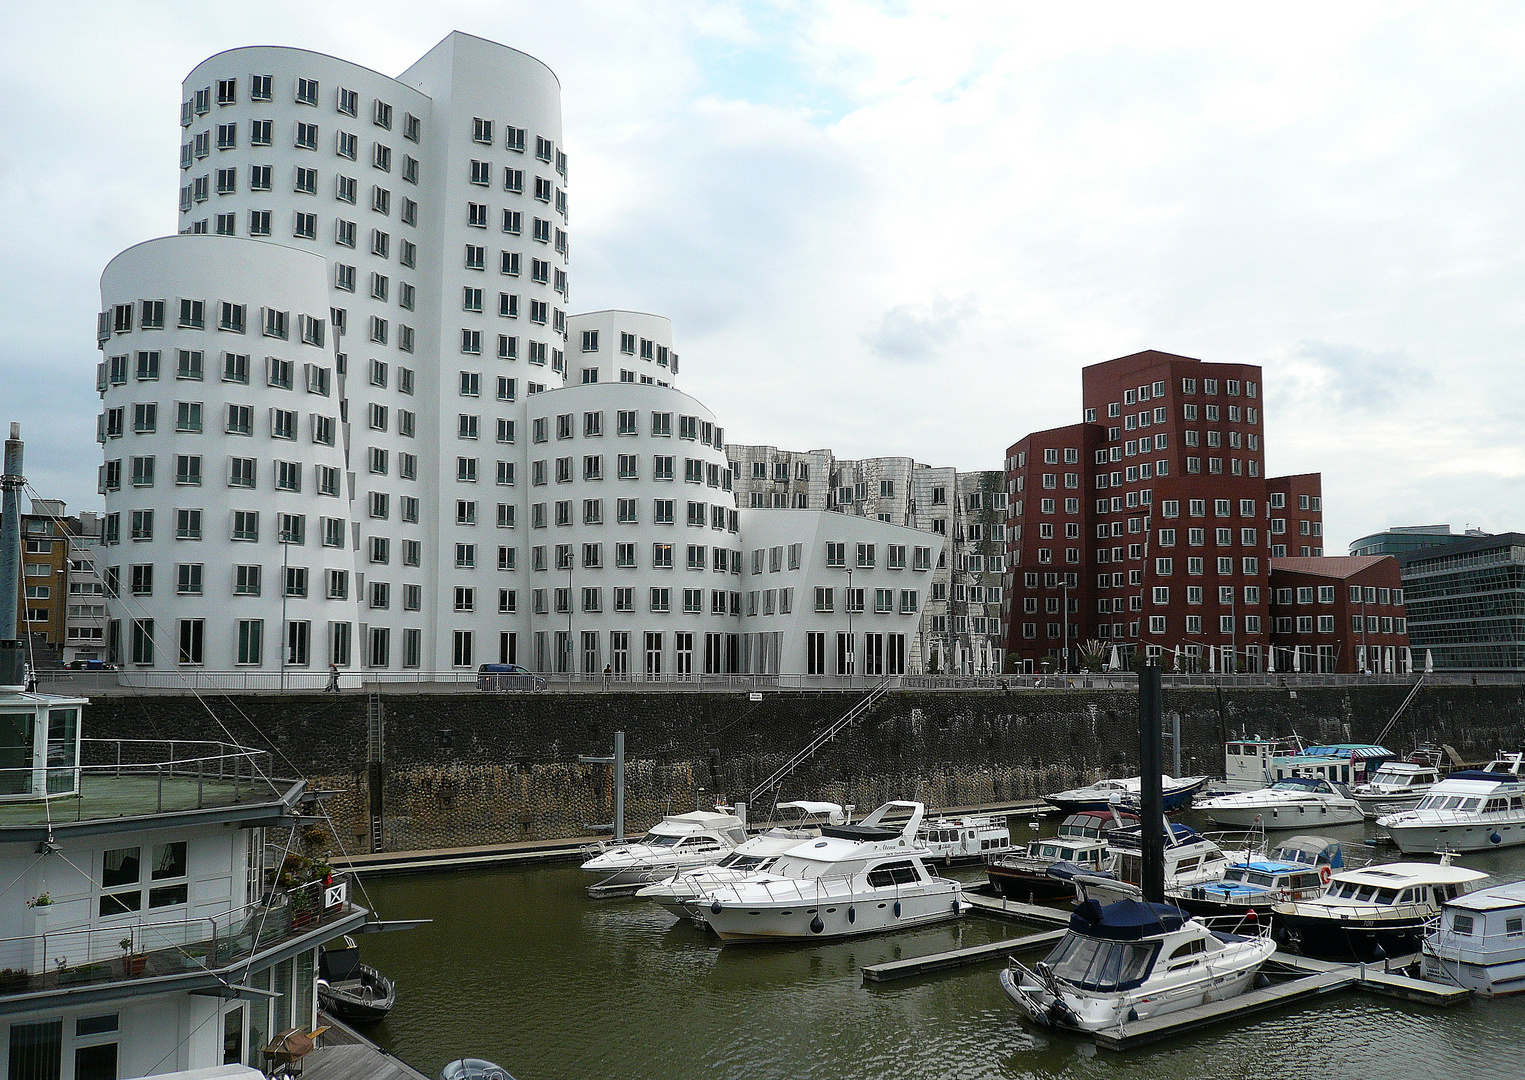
(902, 227)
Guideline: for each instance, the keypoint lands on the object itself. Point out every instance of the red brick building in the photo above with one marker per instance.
(1158, 510)
(1343, 614)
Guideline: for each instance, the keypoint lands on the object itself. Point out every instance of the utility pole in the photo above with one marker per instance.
(1151, 793)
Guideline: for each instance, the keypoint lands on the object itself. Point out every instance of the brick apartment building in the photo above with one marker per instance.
(1339, 615)
(1152, 524)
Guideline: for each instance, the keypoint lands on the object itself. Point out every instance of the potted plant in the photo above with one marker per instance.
(193, 957)
(14, 978)
(132, 963)
(41, 900)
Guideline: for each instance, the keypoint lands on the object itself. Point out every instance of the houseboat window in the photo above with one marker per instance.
(1188, 864)
(233, 1037)
(1233, 875)
(119, 866)
(1496, 805)
(37, 1048)
(16, 754)
(96, 1062)
(1462, 924)
(169, 860)
(1264, 880)
(1387, 896)
(1514, 927)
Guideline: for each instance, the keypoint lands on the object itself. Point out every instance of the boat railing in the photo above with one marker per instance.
(61, 958)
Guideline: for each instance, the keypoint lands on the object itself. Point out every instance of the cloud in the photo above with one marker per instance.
(918, 333)
(1364, 378)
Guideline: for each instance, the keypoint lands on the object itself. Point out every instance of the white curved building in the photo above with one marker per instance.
(383, 358)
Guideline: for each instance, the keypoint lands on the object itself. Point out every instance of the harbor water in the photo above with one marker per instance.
(521, 968)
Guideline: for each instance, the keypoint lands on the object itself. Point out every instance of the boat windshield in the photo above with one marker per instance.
(1265, 881)
(652, 839)
(1099, 964)
(1234, 875)
(737, 861)
(810, 869)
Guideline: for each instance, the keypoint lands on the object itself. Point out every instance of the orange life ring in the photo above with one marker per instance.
(1324, 875)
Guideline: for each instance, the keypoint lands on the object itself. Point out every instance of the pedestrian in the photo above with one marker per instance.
(333, 679)
(608, 672)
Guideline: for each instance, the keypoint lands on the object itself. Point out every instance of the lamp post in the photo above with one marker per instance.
(1233, 627)
(286, 541)
(1363, 632)
(852, 652)
(568, 653)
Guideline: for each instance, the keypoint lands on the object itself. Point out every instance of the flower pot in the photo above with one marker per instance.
(134, 965)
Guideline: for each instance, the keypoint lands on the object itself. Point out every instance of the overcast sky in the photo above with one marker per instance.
(902, 228)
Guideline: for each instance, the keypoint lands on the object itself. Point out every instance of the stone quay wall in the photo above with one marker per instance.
(500, 768)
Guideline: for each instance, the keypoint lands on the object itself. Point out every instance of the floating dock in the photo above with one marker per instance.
(999, 906)
(924, 965)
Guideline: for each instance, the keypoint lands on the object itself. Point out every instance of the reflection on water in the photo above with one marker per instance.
(520, 967)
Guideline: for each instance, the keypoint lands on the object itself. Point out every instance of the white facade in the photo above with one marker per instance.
(347, 419)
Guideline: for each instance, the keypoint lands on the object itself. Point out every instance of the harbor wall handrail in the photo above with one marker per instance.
(466, 680)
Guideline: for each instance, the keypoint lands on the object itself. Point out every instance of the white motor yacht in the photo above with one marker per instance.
(1471, 810)
(1397, 785)
(1480, 942)
(854, 879)
(1131, 961)
(1176, 793)
(680, 893)
(677, 843)
(1293, 802)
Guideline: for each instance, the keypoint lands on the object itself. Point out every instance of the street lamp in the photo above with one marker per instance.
(852, 652)
(567, 654)
(286, 541)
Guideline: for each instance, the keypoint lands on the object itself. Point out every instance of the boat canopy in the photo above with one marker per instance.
(1311, 850)
(832, 811)
(1126, 920)
(859, 833)
(1487, 777)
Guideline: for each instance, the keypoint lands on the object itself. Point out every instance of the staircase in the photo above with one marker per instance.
(852, 716)
(375, 756)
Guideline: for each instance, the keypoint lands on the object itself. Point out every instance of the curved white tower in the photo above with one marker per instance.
(226, 500)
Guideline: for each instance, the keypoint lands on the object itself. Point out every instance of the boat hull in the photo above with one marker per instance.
(1292, 816)
(1376, 805)
(1350, 938)
(1117, 1010)
(362, 1001)
(1486, 980)
(1422, 838)
(740, 923)
(1178, 798)
(1024, 883)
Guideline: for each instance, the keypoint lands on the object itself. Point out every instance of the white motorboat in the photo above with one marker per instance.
(1373, 912)
(677, 843)
(1471, 810)
(1022, 873)
(680, 893)
(1190, 859)
(1131, 961)
(964, 840)
(1177, 794)
(854, 879)
(1294, 802)
(1480, 942)
(1397, 785)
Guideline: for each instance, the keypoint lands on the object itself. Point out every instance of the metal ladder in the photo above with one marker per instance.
(375, 755)
(852, 716)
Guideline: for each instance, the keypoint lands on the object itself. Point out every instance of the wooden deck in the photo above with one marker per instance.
(995, 950)
(999, 906)
(348, 1055)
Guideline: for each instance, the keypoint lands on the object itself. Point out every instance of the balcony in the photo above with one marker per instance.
(131, 778)
(193, 951)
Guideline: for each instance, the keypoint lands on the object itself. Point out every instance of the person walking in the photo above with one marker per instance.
(608, 672)
(333, 679)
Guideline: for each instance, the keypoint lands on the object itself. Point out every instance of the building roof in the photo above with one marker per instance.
(1462, 546)
(1330, 566)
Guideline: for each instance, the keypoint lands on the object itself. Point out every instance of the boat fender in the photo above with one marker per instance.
(816, 925)
(897, 909)
(715, 907)
(958, 909)
(852, 914)
(1324, 874)
(1495, 838)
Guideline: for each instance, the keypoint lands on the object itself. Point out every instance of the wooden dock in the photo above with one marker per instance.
(999, 906)
(348, 1055)
(995, 950)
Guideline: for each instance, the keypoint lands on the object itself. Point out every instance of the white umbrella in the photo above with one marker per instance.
(1297, 658)
(1387, 660)
(1212, 658)
(1429, 662)
(1115, 663)
(1271, 660)
(1408, 660)
(1175, 664)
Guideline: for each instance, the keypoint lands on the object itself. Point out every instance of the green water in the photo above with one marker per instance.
(521, 968)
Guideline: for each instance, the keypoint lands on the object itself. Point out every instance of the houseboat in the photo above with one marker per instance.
(1371, 913)
(969, 839)
(1480, 941)
(1249, 764)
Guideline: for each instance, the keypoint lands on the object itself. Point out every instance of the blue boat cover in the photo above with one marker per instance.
(1479, 774)
(1126, 920)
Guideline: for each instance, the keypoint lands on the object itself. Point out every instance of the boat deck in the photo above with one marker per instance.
(348, 1055)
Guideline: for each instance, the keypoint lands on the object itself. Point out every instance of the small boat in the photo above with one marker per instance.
(1190, 859)
(1104, 793)
(1470, 810)
(854, 879)
(1399, 785)
(1022, 873)
(354, 992)
(677, 843)
(1294, 802)
(1298, 869)
(473, 1069)
(680, 893)
(968, 839)
(1131, 961)
(1480, 942)
(1373, 912)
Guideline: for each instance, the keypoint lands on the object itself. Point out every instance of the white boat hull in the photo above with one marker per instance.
(646, 873)
(1377, 805)
(797, 919)
(1286, 816)
(1095, 1012)
(1487, 980)
(1415, 838)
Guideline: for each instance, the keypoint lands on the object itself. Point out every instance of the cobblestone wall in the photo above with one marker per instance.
(466, 769)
